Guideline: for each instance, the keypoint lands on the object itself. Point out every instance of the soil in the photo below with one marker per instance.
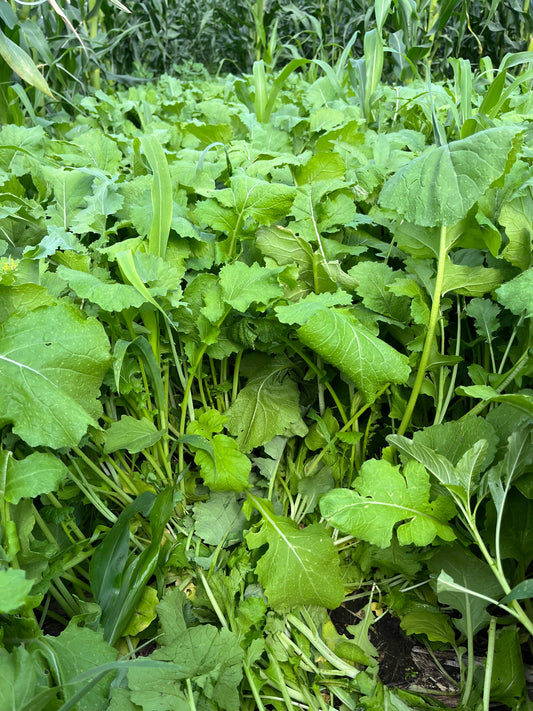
(404, 663)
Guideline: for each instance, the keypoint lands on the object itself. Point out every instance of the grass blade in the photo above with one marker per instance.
(161, 195)
(22, 64)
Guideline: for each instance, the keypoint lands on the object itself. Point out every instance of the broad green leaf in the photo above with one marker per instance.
(22, 64)
(441, 186)
(56, 238)
(302, 310)
(284, 246)
(38, 473)
(471, 573)
(383, 497)
(98, 288)
(300, 566)
(219, 519)
(161, 195)
(14, 589)
(101, 151)
(517, 459)
(435, 625)
(263, 202)
(230, 469)
(131, 434)
(439, 465)
(369, 361)
(470, 281)
(374, 280)
(516, 216)
(243, 285)
(52, 362)
(516, 542)
(517, 294)
(268, 405)
(77, 650)
(321, 166)
(222, 465)
(71, 188)
(204, 656)
(23, 680)
(453, 439)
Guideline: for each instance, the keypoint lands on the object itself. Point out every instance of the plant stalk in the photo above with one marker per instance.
(430, 335)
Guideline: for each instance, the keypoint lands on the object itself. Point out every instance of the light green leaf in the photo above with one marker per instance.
(516, 216)
(470, 281)
(101, 151)
(22, 64)
(435, 625)
(441, 186)
(14, 589)
(161, 195)
(283, 246)
(383, 497)
(452, 439)
(96, 287)
(243, 285)
(39, 473)
(517, 294)
(267, 406)
(304, 309)
(370, 362)
(300, 566)
(229, 471)
(321, 166)
(52, 362)
(224, 467)
(23, 682)
(131, 434)
(523, 401)
(71, 188)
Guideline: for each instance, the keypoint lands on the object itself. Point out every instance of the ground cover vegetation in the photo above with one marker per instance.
(265, 350)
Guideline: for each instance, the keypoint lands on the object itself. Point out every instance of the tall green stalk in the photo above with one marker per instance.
(430, 335)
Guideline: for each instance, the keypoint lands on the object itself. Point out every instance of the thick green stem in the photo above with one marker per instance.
(430, 335)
